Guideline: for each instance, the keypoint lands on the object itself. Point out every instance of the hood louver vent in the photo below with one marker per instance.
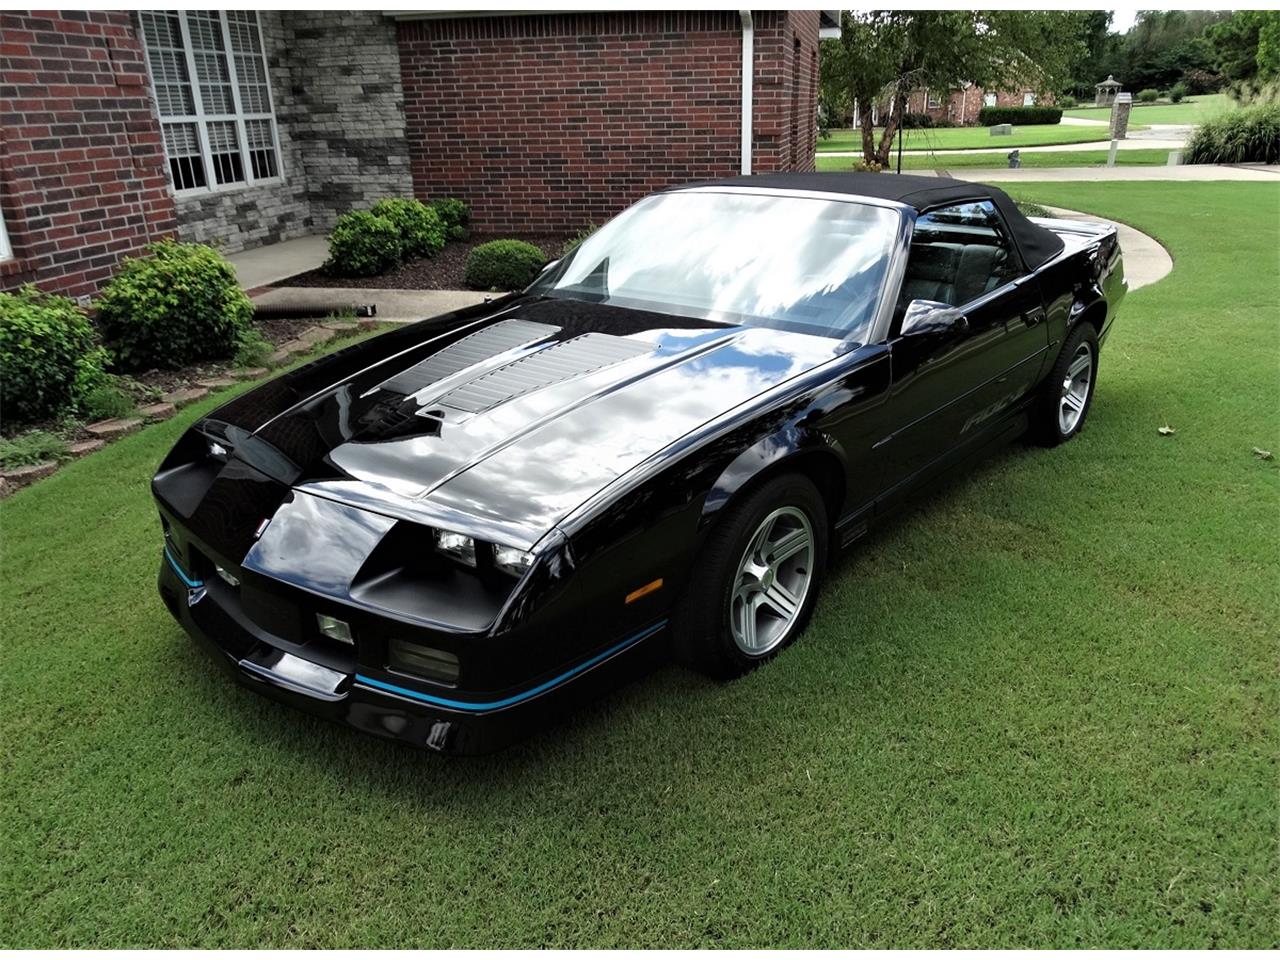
(470, 350)
(556, 363)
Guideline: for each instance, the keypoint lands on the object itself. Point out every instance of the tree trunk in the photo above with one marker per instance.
(868, 134)
(881, 154)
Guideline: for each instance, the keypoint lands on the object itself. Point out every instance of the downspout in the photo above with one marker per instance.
(748, 72)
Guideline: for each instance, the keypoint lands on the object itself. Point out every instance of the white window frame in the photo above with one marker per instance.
(6, 251)
(931, 101)
(1028, 98)
(201, 120)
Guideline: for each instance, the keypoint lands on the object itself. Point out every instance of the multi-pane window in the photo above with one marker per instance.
(210, 76)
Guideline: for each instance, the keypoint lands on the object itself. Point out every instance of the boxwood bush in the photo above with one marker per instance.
(48, 355)
(1148, 96)
(504, 265)
(455, 214)
(362, 244)
(1178, 92)
(1245, 135)
(179, 304)
(422, 232)
(1019, 116)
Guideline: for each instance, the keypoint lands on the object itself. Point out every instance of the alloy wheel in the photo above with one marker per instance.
(773, 580)
(1075, 389)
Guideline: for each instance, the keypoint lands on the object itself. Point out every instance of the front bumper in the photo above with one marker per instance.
(446, 721)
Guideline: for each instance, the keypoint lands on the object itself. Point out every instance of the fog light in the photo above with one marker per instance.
(461, 548)
(335, 629)
(512, 561)
(426, 662)
(228, 577)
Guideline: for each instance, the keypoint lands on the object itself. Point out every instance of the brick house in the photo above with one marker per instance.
(961, 106)
(244, 128)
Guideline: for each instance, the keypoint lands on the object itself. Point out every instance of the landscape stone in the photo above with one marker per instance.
(82, 447)
(118, 427)
(35, 471)
(185, 395)
(157, 411)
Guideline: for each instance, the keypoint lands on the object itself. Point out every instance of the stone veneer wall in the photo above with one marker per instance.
(335, 81)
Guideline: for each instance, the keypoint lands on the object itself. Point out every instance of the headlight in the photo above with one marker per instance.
(511, 560)
(457, 546)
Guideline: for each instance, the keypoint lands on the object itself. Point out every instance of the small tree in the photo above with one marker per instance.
(884, 54)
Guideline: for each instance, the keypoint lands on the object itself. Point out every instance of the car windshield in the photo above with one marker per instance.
(794, 263)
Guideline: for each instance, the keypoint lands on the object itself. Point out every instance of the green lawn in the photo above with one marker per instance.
(1192, 110)
(1039, 710)
(1063, 158)
(967, 138)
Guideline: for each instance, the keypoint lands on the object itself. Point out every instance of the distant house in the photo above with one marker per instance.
(961, 105)
(244, 128)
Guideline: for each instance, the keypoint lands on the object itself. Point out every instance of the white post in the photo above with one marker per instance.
(1111, 156)
(748, 71)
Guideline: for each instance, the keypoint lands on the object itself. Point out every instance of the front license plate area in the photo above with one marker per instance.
(284, 669)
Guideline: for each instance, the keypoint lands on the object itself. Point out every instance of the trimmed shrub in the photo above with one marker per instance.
(363, 245)
(504, 265)
(944, 123)
(1148, 95)
(1019, 116)
(868, 166)
(422, 232)
(456, 216)
(1245, 135)
(48, 356)
(179, 304)
(1178, 92)
(1067, 102)
(916, 121)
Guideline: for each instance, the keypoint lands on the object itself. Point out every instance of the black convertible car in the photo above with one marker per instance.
(449, 528)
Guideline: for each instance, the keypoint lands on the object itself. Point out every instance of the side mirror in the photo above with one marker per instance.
(930, 316)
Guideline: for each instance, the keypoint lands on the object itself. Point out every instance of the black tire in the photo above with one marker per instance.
(1047, 426)
(703, 638)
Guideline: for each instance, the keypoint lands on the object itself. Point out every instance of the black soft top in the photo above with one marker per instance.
(1036, 244)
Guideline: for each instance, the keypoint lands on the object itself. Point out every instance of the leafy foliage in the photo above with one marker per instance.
(106, 400)
(575, 241)
(37, 446)
(1148, 96)
(1019, 116)
(252, 349)
(178, 305)
(362, 244)
(1178, 92)
(504, 265)
(883, 54)
(422, 232)
(48, 355)
(1247, 135)
(455, 215)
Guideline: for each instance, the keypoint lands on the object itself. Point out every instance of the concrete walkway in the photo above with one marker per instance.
(1145, 261)
(396, 306)
(258, 268)
(1256, 173)
(279, 261)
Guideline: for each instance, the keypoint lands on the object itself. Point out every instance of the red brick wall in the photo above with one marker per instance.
(82, 173)
(963, 106)
(545, 123)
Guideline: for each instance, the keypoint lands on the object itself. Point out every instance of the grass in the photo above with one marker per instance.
(969, 138)
(1192, 110)
(1055, 158)
(1038, 711)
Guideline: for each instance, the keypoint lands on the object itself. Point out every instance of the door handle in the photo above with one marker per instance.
(1033, 316)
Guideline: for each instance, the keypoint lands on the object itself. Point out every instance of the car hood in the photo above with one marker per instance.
(505, 422)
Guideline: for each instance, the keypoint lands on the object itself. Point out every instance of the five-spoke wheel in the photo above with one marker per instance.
(772, 581)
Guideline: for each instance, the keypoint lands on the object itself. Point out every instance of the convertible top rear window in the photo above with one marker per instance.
(802, 264)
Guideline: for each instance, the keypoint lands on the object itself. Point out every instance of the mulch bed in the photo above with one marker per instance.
(444, 271)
